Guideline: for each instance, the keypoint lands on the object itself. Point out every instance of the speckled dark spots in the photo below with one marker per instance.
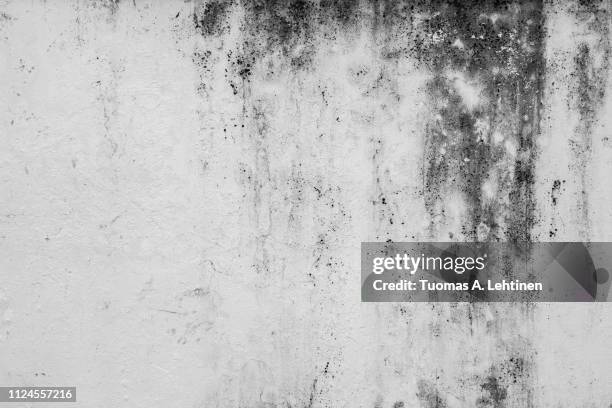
(495, 394)
(555, 191)
(211, 18)
(429, 396)
(510, 377)
(399, 404)
(515, 369)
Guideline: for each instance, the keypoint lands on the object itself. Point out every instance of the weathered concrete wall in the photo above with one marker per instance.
(185, 186)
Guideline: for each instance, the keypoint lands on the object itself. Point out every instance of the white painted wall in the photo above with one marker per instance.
(152, 259)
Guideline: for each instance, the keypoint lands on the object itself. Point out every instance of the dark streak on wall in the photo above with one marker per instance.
(429, 396)
(496, 47)
(590, 77)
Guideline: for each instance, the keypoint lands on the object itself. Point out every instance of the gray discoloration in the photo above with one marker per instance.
(486, 93)
(495, 394)
(590, 84)
(429, 396)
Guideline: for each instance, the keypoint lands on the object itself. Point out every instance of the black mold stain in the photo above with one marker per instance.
(287, 27)
(590, 77)
(496, 49)
(590, 85)
(510, 379)
(555, 194)
(555, 191)
(429, 396)
(495, 394)
(211, 18)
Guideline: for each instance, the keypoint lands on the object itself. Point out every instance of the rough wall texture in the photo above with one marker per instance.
(184, 187)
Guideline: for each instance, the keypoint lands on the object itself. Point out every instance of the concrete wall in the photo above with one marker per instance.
(184, 188)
